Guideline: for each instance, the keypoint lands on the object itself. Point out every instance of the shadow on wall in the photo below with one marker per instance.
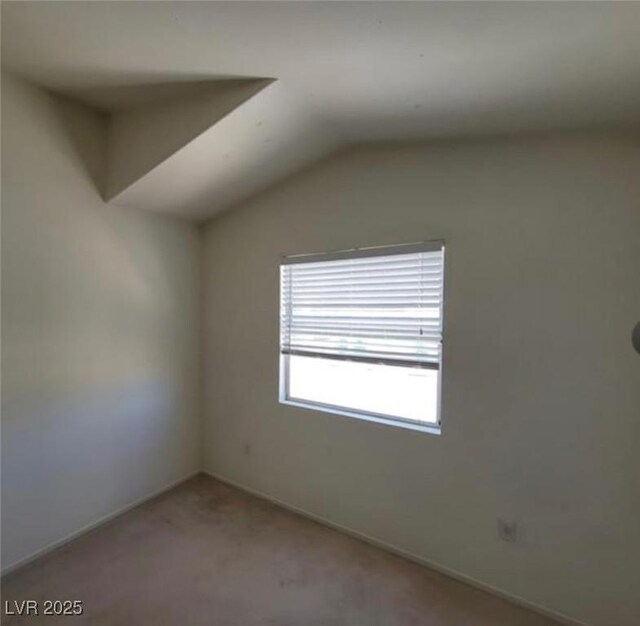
(143, 119)
(99, 319)
(91, 158)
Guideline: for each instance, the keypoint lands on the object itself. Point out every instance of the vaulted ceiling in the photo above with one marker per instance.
(208, 103)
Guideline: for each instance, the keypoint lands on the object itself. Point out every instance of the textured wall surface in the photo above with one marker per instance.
(541, 396)
(99, 321)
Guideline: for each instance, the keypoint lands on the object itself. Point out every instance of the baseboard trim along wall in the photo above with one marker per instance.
(93, 525)
(378, 543)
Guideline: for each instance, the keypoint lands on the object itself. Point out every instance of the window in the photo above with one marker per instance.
(361, 333)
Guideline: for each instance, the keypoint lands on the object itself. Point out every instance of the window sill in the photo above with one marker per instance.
(430, 429)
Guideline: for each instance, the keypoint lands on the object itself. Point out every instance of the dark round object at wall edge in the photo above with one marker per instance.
(635, 337)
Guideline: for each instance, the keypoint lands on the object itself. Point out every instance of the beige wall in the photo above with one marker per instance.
(541, 398)
(143, 136)
(99, 324)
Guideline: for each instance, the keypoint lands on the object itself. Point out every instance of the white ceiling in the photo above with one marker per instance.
(345, 72)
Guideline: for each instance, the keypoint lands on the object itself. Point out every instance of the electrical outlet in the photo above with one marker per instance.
(507, 530)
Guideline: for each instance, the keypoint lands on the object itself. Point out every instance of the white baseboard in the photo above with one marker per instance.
(505, 595)
(317, 518)
(93, 525)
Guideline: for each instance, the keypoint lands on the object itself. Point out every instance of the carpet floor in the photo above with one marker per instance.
(205, 553)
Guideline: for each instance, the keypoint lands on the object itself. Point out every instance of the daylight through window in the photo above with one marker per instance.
(361, 332)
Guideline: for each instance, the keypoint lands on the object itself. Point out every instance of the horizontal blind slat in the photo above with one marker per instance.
(424, 353)
(418, 358)
(375, 289)
(365, 318)
(367, 278)
(299, 271)
(425, 272)
(374, 261)
(367, 328)
(368, 337)
(357, 334)
(432, 365)
(369, 308)
(362, 324)
(302, 271)
(365, 305)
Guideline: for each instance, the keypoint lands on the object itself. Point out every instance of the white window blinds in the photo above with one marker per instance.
(382, 305)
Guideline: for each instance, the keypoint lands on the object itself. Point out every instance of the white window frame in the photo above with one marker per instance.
(389, 420)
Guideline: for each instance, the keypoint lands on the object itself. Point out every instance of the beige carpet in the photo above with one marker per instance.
(205, 553)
